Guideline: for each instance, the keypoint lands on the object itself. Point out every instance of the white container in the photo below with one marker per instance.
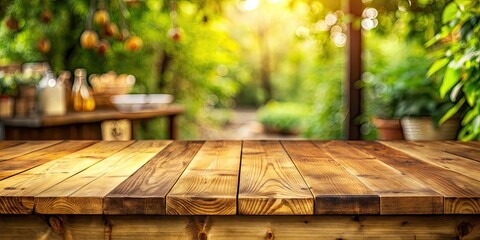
(141, 102)
(51, 98)
(422, 129)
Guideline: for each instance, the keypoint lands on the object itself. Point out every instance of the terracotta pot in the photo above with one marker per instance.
(388, 129)
(423, 129)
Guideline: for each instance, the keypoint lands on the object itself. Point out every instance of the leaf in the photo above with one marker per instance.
(466, 134)
(471, 91)
(456, 90)
(452, 111)
(452, 76)
(469, 116)
(437, 65)
(449, 12)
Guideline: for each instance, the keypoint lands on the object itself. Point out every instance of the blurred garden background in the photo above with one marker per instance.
(281, 61)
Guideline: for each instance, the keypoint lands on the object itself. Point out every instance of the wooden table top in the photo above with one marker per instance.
(239, 177)
(94, 116)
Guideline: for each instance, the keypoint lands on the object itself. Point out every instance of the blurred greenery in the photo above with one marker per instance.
(457, 53)
(225, 57)
(283, 117)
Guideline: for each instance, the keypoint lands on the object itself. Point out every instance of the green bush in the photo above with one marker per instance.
(284, 117)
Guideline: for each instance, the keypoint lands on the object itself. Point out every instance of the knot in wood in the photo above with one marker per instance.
(269, 235)
(202, 236)
(56, 224)
(464, 228)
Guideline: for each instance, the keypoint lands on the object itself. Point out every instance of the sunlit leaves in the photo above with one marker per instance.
(452, 76)
(437, 65)
(450, 12)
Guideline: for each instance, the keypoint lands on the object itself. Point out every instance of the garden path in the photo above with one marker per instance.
(243, 126)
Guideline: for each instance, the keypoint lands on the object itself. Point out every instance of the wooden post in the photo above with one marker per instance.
(353, 95)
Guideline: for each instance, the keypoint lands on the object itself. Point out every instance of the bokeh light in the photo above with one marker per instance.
(248, 5)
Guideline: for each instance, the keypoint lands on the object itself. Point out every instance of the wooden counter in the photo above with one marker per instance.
(240, 190)
(81, 125)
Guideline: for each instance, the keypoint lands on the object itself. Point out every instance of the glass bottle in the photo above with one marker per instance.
(82, 97)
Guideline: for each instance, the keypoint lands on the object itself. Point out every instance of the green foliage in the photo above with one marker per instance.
(8, 85)
(285, 117)
(324, 87)
(458, 63)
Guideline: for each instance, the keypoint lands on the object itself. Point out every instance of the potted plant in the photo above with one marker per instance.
(421, 106)
(7, 91)
(458, 64)
(283, 117)
(383, 97)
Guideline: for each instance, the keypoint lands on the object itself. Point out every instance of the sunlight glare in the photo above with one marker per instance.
(248, 5)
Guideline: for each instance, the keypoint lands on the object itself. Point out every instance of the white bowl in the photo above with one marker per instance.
(140, 102)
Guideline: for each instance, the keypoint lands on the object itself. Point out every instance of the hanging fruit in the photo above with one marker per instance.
(12, 24)
(133, 44)
(46, 16)
(111, 29)
(44, 45)
(174, 34)
(103, 46)
(89, 39)
(101, 17)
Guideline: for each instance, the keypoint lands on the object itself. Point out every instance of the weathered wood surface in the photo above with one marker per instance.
(461, 193)
(336, 191)
(465, 227)
(145, 191)
(270, 184)
(239, 177)
(84, 192)
(209, 184)
(17, 192)
(24, 148)
(399, 193)
(22, 163)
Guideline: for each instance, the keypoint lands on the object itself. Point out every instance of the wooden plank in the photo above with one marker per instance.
(22, 163)
(270, 184)
(7, 144)
(463, 227)
(24, 148)
(145, 191)
(17, 192)
(442, 159)
(84, 192)
(474, 144)
(456, 148)
(336, 191)
(461, 193)
(209, 184)
(399, 192)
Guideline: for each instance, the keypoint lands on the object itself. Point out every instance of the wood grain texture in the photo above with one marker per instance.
(83, 193)
(456, 148)
(209, 184)
(7, 144)
(22, 163)
(336, 191)
(399, 192)
(17, 192)
(419, 150)
(24, 148)
(465, 227)
(270, 184)
(461, 194)
(145, 191)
